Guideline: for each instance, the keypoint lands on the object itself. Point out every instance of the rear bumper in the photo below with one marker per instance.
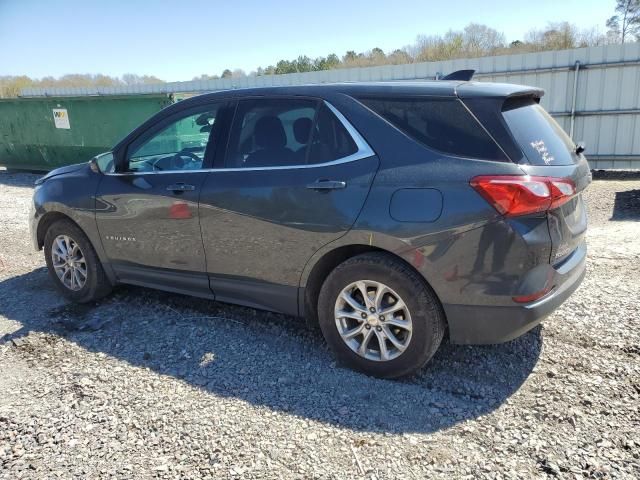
(473, 324)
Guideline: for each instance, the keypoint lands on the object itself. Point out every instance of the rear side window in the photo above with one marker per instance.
(269, 132)
(282, 132)
(439, 123)
(541, 138)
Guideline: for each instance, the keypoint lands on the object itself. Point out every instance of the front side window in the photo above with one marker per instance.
(181, 145)
(439, 123)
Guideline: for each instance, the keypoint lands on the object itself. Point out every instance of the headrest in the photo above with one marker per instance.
(269, 133)
(302, 129)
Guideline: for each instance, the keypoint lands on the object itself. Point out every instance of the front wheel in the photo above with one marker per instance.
(73, 264)
(379, 316)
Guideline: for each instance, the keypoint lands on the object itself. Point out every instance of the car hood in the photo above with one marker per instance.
(60, 171)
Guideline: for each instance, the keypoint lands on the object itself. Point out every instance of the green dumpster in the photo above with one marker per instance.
(43, 133)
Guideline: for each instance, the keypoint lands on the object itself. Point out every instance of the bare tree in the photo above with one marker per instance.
(556, 36)
(399, 57)
(626, 22)
(133, 79)
(206, 76)
(480, 40)
(592, 37)
(434, 47)
(377, 56)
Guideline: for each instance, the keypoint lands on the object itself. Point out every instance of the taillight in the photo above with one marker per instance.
(533, 296)
(514, 195)
(564, 189)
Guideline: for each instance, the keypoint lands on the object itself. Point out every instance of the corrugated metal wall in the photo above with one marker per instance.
(607, 101)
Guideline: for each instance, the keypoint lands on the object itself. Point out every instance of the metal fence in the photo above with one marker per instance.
(593, 92)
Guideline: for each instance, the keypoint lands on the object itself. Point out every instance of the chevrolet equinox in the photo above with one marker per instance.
(386, 213)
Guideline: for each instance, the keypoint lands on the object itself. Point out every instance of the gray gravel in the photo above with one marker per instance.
(151, 385)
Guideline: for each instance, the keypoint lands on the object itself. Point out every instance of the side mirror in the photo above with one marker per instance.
(580, 147)
(103, 163)
(93, 165)
(204, 119)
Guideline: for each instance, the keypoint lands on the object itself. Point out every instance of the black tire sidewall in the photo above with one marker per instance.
(423, 307)
(89, 291)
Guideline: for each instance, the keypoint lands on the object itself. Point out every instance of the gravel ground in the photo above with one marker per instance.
(147, 384)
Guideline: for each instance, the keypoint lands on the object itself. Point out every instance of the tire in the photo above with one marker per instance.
(381, 272)
(96, 284)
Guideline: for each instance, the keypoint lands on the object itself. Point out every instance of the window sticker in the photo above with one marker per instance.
(542, 150)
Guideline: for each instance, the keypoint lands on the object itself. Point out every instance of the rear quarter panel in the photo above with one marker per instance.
(467, 242)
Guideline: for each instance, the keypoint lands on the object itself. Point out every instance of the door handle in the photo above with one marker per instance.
(327, 185)
(181, 187)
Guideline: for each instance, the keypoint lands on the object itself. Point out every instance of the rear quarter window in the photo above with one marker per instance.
(442, 124)
(330, 140)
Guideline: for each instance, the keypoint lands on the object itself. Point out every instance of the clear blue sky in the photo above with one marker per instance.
(177, 40)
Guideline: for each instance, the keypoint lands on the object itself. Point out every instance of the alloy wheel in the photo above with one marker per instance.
(69, 262)
(373, 320)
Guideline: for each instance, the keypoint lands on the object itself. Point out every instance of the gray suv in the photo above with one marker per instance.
(386, 213)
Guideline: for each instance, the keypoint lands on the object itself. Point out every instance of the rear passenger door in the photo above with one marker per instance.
(295, 177)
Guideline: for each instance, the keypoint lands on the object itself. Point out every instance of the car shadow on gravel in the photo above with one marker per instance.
(627, 206)
(266, 359)
(14, 178)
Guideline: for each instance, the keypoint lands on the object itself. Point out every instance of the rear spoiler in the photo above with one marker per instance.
(501, 90)
(497, 90)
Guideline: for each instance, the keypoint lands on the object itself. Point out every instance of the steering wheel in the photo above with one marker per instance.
(177, 161)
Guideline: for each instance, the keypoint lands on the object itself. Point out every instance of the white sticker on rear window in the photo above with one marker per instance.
(541, 148)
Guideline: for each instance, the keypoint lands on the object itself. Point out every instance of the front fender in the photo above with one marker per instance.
(72, 196)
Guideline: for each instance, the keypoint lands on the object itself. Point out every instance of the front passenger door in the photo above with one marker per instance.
(147, 211)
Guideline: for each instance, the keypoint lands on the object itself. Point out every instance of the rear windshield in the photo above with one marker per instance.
(443, 124)
(541, 138)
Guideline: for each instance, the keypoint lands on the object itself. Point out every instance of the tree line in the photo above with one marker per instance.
(475, 40)
(10, 86)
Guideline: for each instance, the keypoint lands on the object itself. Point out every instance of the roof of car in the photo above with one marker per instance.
(398, 87)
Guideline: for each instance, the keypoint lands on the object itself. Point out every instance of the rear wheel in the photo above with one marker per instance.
(379, 316)
(73, 263)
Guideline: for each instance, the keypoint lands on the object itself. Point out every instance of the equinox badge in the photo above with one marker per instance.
(120, 238)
